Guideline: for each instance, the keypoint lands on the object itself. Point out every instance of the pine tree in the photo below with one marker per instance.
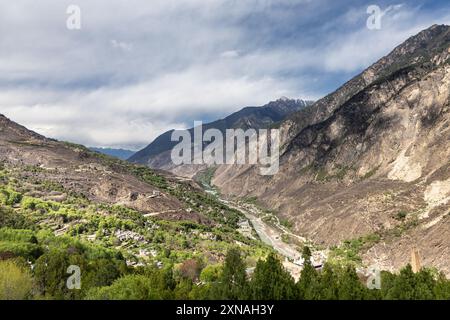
(306, 255)
(424, 287)
(328, 283)
(350, 286)
(271, 282)
(232, 284)
(403, 285)
(309, 284)
(442, 288)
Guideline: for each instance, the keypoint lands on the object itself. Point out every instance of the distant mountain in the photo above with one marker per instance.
(117, 153)
(370, 161)
(157, 154)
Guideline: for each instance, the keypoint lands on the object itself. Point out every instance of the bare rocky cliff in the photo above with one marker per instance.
(371, 158)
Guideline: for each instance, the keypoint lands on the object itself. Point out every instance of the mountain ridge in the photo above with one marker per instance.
(157, 153)
(120, 153)
(365, 154)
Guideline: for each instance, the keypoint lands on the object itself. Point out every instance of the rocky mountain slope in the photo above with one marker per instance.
(369, 162)
(157, 154)
(69, 190)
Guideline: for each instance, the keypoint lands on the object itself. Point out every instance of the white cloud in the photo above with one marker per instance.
(130, 116)
(348, 52)
(136, 69)
(121, 45)
(230, 54)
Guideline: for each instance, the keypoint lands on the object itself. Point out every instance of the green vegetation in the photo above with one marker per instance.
(124, 255)
(107, 241)
(341, 172)
(142, 240)
(15, 280)
(105, 276)
(401, 215)
(149, 176)
(199, 201)
(204, 177)
(286, 223)
(306, 169)
(322, 175)
(270, 281)
(348, 253)
(408, 221)
(370, 173)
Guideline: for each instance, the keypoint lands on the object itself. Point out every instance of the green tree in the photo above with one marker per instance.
(130, 287)
(387, 282)
(101, 272)
(350, 286)
(183, 289)
(328, 283)
(425, 284)
(15, 281)
(442, 288)
(232, 284)
(306, 255)
(271, 282)
(50, 272)
(13, 219)
(410, 286)
(161, 283)
(308, 286)
(211, 273)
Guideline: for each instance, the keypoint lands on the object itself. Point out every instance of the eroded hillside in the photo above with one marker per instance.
(371, 158)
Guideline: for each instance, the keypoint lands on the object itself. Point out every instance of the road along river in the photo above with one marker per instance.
(270, 235)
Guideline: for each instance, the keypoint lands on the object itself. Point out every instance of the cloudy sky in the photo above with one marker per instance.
(138, 68)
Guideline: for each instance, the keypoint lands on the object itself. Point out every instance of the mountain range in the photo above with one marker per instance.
(118, 153)
(368, 165)
(364, 175)
(157, 154)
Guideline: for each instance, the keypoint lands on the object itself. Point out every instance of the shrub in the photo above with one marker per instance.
(21, 249)
(17, 235)
(131, 287)
(15, 281)
(10, 197)
(401, 215)
(12, 219)
(190, 269)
